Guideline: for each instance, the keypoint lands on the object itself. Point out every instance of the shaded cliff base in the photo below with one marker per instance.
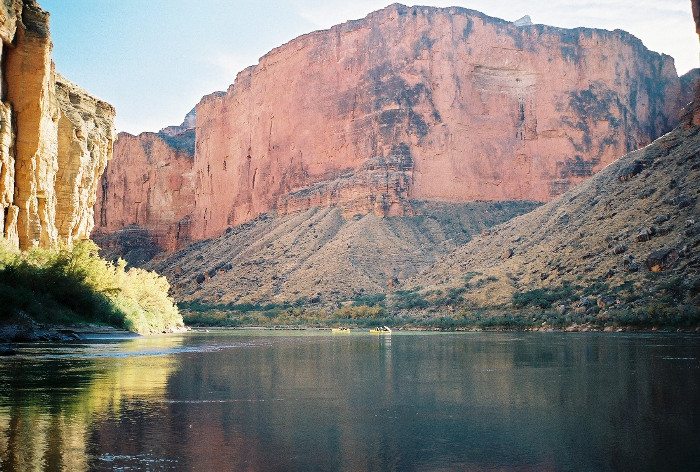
(620, 250)
(134, 244)
(376, 248)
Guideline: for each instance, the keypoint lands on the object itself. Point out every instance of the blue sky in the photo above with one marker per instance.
(154, 59)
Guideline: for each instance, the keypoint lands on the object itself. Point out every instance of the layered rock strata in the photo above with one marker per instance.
(484, 110)
(379, 186)
(147, 192)
(407, 104)
(85, 143)
(55, 139)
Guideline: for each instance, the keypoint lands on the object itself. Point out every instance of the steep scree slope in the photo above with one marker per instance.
(322, 257)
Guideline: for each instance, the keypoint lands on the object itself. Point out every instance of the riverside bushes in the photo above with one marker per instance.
(545, 297)
(76, 285)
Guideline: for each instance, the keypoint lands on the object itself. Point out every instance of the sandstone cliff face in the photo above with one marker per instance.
(29, 73)
(148, 190)
(55, 139)
(639, 215)
(85, 143)
(480, 108)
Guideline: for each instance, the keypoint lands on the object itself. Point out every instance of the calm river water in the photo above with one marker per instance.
(307, 401)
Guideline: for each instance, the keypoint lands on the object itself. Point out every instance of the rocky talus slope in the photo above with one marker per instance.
(318, 257)
(55, 138)
(409, 103)
(627, 237)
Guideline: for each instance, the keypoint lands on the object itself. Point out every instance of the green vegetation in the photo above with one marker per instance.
(544, 298)
(271, 315)
(469, 276)
(409, 299)
(590, 303)
(363, 316)
(361, 312)
(452, 296)
(370, 300)
(68, 286)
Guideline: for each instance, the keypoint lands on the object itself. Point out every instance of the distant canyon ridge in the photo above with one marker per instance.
(408, 104)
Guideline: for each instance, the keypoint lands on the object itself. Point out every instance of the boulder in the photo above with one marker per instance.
(585, 302)
(605, 302)
(644, 234)
(392, 282)
(619, 249)
(659, 261)
(628, 263)
(665, 230)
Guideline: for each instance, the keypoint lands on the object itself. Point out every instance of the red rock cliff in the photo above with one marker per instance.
(55, 139)
(148, 189)
(475, 107)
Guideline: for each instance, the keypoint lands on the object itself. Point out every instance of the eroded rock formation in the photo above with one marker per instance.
(55, 139)
(483, 109)
(147, 192)
(379, 186)
(410, 103)
(85, 142)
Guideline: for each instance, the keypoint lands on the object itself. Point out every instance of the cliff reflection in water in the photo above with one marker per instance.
(53, 397)
(271, 401)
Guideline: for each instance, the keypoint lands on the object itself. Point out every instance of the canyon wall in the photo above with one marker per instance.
(689, 81)
(147, 190)
(409, 103)
(478, 109)
(55, 138)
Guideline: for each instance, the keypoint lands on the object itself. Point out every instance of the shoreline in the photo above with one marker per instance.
(32, 332)
(548, 329)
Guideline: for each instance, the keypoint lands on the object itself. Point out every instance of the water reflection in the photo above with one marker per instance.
(51, 396)
(270, 401)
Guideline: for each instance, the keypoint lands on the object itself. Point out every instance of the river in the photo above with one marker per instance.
(316, 401)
